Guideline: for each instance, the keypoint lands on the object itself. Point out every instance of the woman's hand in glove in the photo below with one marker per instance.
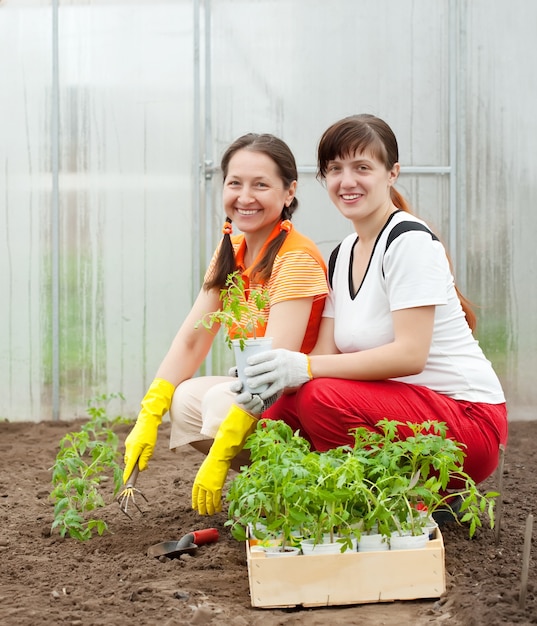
(211, 476)
(279, 369)
(251, 403)
(141, 441)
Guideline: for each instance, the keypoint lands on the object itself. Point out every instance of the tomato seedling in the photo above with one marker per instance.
(85, 460)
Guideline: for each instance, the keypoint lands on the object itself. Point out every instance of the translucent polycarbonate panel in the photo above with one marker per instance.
(500, 88)
(25, 184)
(298, 66)
(125, 199)
(126, 188)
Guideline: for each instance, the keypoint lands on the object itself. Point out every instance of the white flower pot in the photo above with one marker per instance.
(276, 551)
(310, 547)
(408, 542)
(373, 543)
(251, 346)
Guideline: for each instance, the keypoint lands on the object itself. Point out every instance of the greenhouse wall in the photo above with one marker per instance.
(115, 116)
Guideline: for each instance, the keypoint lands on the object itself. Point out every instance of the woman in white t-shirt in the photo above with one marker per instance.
(396, 336)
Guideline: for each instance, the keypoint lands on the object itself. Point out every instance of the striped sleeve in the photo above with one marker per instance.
(296, 274)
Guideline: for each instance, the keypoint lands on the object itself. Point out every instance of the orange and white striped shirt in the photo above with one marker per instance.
(299, 271)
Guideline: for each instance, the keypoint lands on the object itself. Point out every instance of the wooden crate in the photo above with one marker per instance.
(348, 578)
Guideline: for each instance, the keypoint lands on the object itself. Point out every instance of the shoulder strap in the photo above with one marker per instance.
(405, 227)
(398, 229)
(332, 263)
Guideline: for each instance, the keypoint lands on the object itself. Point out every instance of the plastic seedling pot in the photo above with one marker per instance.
(251, 346)
(408, 542)
(373, 543)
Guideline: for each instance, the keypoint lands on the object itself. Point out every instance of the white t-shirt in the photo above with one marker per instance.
(414, 271)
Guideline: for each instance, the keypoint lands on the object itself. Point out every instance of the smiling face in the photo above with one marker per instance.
(358, 160)
(254, 193)
(359, 185)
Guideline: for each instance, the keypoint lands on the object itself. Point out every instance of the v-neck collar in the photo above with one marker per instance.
(353, 293)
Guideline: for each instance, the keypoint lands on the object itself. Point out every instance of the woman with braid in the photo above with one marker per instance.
(260, 180)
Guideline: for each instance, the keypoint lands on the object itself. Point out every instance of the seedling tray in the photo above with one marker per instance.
(348, 578)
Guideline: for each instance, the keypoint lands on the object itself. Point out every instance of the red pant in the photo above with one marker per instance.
(325, 409)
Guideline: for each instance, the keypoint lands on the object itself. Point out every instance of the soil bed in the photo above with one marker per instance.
(110, 580)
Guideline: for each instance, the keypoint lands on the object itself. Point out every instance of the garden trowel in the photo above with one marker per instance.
(186, 545)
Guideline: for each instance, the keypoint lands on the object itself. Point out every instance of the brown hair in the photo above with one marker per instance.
(281, 154)
(368, 133)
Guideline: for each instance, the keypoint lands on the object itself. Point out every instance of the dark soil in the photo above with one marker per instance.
(110, 580)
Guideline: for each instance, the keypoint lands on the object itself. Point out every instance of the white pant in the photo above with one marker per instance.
(199, 406)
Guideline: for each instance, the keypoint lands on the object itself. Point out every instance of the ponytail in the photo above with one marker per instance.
(225, 260)
(263, 269)
(400, 202)
(468, 310)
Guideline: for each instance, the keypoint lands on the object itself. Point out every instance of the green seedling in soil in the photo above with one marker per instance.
(85, 460)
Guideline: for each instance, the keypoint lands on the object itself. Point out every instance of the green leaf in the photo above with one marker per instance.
(60, 506)
(59, 473)
(99, 525)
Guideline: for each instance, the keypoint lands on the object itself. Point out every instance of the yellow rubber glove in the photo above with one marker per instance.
(211, 476)
(140, 443)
